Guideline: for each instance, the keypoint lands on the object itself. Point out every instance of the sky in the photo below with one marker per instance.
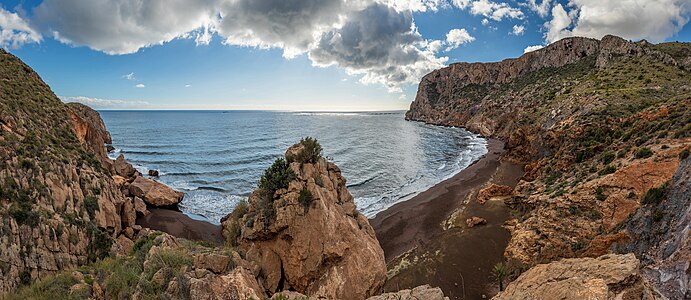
(317, 55)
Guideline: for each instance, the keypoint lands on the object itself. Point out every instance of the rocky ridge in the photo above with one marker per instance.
(307, 236)
(600, 126)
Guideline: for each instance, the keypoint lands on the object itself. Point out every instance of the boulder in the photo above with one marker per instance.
(322, 247)
(140, 206)
(155, 193)
(493, 191)
(474, 221)
(153, 173)
(123, 168)
(421, 292)
(609, 276)
(214, 262)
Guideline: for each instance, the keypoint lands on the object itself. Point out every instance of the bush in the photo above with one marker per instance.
(684, 154)
(654, 195)
(643, 153)
(305, 198)
(311, 152)
(607, 158)
(91, 205)
(276, 177)
(600, 194)
(608, 169)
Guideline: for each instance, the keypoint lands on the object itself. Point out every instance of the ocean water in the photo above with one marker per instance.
(217, 157)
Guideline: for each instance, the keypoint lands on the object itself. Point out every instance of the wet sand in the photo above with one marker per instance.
(414, 222)
(180, 225)
(458, 260)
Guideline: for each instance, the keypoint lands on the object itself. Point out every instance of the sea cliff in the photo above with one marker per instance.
(602, 126)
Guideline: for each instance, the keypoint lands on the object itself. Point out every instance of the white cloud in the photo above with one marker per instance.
(542, 9)
(381, 44)
(129, 76)
(140, 86)
(124, 26)
(485, 21)
(15, 31)
(457, 37)
(496, 11)
(532, 48)
(518, 30)
(417, 5)
(655, 20)
(557, 28)
(188, 85)
(97, 103)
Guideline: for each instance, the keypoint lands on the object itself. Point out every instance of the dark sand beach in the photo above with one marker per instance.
(180, 225)
(459, 260)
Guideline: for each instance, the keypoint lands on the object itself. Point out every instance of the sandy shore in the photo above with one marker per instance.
(180, 225)
(459, 260)
(416, 221)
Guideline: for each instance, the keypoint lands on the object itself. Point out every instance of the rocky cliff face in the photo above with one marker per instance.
(659, 234)
(606, 277)
(600, 125)
(309, 237)
(59, 207)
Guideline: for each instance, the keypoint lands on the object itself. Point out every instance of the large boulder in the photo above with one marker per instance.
(317, 244)
(609, 276)
(155, 193)
(123, 168)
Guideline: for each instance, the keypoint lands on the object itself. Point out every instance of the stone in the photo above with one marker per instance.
(140, 207)
(217, 263)
(153, 173)
(609, 276)
(155, 193)
(421, 292)
(493, 191)
(123, 168)
(475, 221)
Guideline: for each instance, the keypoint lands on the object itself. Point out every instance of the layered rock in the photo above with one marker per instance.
(659, 234)
(59, 206)
(606, 277)
(318, 245)
(154, 193)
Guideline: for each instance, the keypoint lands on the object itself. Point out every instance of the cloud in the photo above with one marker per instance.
(129, 76)
(496, 11)
(381, 44)
(457, 37)
(557, 28)
(124, 26)
(417, 5)
(518, 30)
(140, 86)
(655, 20)
(541, 9)
(96, 103)
(188, 85)
(532, 48)
(15, 31)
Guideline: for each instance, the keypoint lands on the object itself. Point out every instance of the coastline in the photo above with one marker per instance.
(415, 221)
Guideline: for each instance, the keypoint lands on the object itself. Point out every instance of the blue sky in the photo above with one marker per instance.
(295, 54)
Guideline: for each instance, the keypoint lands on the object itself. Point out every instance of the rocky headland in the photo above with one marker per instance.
(601, 127)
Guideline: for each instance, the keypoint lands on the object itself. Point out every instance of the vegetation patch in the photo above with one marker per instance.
(643, 153)
(654, 195)
(311, 152)
(305, 198)
(233, 231)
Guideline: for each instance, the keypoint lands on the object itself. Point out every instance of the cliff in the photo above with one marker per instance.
(304, 231)
(601, 127)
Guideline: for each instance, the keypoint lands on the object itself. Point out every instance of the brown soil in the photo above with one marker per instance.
(180, 225)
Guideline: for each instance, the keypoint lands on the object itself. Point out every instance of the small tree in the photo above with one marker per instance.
(499, 273)
(311, 151)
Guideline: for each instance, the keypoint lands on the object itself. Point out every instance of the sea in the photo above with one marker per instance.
(217, 157)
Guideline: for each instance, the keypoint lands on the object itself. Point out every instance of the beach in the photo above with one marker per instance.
(459, 260)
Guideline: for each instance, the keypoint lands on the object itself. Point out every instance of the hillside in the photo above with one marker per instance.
(601, 127)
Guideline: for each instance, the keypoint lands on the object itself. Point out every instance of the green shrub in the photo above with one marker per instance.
(311, 152)
(91, 205)
(643, 153)
(657, 216)
(684, 154)
(607, 158)
(654, 195)
(233, 231)
(276, 177)
(305, 198)
(52, 287)
(600, 194)
(608, 169)
(26, 164)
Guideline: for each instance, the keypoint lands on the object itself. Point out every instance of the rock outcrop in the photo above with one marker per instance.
(659, 234)
(606, 277)
(154, 193)
(421, 292)
(309, 237)
(59, 206)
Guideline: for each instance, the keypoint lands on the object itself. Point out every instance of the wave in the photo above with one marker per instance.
(363, 182)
